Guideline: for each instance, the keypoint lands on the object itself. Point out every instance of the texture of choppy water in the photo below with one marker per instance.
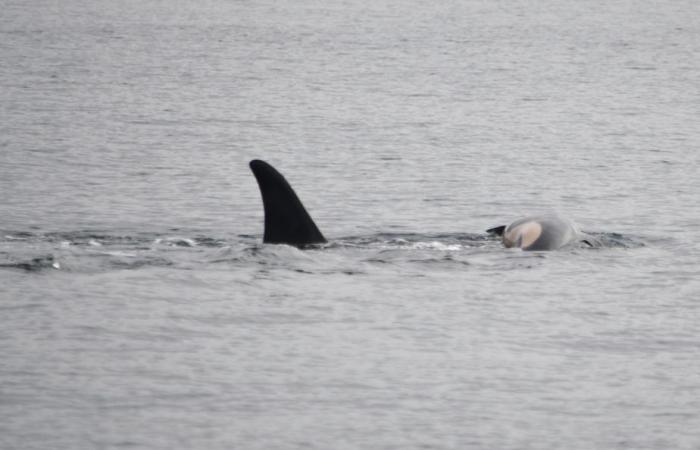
(138, 307)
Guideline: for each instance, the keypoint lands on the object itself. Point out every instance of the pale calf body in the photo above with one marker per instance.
(540, 233)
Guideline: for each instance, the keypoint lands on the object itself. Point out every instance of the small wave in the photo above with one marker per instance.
(436, 245)
(176, 242)
(92, 238)
(18, 236)
(438, 241)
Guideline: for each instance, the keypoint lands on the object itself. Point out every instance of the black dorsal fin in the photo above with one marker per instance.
(286, 220)
(498, 231)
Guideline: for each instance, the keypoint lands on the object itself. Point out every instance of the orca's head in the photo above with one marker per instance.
(522, 233)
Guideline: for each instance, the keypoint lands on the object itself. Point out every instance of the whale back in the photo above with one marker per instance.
(548, 232)
(286, 219)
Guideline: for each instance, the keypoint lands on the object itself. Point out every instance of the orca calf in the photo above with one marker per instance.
(287, 222)
(548, 232)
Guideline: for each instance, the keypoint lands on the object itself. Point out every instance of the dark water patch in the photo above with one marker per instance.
(126, 444)
(17, 235)
(615, 240)
(353, 272)
(439, 261)
(36, 264)
(25, 306)
(80, 237)
(139, 262)
(378, 261)
(209, 241)
(252, 251)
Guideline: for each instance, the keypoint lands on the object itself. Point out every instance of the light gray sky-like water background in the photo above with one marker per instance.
(138, 308)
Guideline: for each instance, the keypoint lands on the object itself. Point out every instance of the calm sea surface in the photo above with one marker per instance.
(139, 309)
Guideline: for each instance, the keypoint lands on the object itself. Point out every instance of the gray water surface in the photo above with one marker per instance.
(139, 309)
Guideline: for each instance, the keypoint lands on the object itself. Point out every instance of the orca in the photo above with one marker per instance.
(288, 222)
(286, 219)
(546, 232)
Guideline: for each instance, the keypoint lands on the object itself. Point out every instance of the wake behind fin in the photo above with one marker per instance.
(286, 219)
(498, 231)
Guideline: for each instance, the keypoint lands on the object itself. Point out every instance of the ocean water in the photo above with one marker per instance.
(139, 308)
